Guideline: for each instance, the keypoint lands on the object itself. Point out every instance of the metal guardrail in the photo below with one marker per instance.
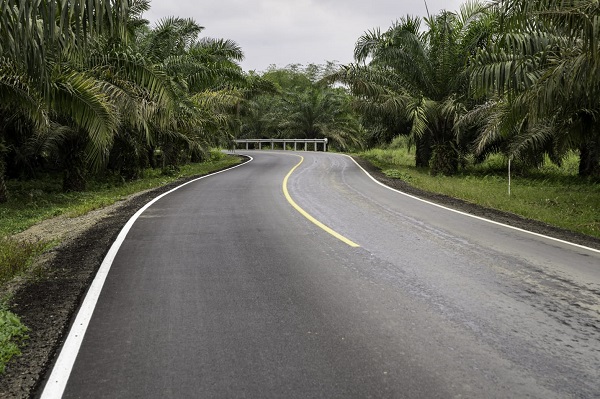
(304, 142)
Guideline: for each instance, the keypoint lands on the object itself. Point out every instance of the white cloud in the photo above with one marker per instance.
(299, 31)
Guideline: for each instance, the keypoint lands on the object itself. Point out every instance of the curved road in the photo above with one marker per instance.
(223, 289)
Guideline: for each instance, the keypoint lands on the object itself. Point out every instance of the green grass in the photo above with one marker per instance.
(13, 335)
(551, 194)
(16, 256)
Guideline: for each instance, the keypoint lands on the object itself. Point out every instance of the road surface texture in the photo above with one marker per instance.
(223, 289)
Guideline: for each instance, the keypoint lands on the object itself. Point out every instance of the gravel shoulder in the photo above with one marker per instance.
(48, 302)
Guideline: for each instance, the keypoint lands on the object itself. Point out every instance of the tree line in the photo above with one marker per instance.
(88, 87)
(303, 106)
(515, 77)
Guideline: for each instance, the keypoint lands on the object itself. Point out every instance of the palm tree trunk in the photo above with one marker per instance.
(424, 149)
(444, 159)
(74, 165)
(3, 189)
(589, 161)
(151, 157)
(74, 180)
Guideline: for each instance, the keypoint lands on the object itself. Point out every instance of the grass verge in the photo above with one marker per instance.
(16, 256)
(551, 194)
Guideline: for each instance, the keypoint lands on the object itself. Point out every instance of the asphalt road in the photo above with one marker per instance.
(223, 289)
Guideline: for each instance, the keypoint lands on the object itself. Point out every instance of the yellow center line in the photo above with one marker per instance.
(307, 215)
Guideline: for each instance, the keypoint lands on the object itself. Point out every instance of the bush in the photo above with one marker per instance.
(12, 335)
(16, 256)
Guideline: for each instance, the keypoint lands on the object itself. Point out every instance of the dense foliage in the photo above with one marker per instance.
(301, 106)
(541, 80)
(88, 87)
(515, 77)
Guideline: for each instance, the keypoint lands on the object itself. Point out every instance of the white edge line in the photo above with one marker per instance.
(61, 371)
(473, 216)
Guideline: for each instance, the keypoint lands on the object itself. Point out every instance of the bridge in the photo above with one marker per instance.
(304, 143)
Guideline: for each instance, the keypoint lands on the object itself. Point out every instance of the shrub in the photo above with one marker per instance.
(12, 336)
(16, 256)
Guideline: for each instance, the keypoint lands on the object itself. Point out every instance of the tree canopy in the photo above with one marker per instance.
(516, 77)
(87, 86)
(90, 87)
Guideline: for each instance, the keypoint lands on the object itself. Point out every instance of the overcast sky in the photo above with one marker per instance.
(284, 32)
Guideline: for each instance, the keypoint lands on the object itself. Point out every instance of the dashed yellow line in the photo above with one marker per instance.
(307, 215)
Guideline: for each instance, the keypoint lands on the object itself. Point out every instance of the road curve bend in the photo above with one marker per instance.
(223, 288)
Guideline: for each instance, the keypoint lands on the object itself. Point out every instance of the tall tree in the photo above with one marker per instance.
(420, 75)
(35, 39)
(543, 76)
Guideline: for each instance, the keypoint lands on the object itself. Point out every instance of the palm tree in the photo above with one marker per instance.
(206, 78)
(321, 112)
(421, 76)
(95, 83)
(544, 74)
(35, 39)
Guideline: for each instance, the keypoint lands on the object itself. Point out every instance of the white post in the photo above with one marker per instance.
(509, 159)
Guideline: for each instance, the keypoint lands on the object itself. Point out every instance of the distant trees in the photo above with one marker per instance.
(303, 107)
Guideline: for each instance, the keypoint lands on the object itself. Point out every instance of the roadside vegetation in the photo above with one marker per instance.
(518, 78)
(552, 194)
(36, 200)
(12, 335)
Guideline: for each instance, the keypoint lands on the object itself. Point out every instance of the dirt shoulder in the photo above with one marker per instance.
(47, 304)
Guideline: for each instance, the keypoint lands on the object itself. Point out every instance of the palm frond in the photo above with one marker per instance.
(82, 100)
(18, 93)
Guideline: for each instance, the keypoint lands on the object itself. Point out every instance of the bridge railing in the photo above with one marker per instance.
(303, 142)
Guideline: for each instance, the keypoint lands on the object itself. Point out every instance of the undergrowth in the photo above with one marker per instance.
(13, 335)
(16, 256)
